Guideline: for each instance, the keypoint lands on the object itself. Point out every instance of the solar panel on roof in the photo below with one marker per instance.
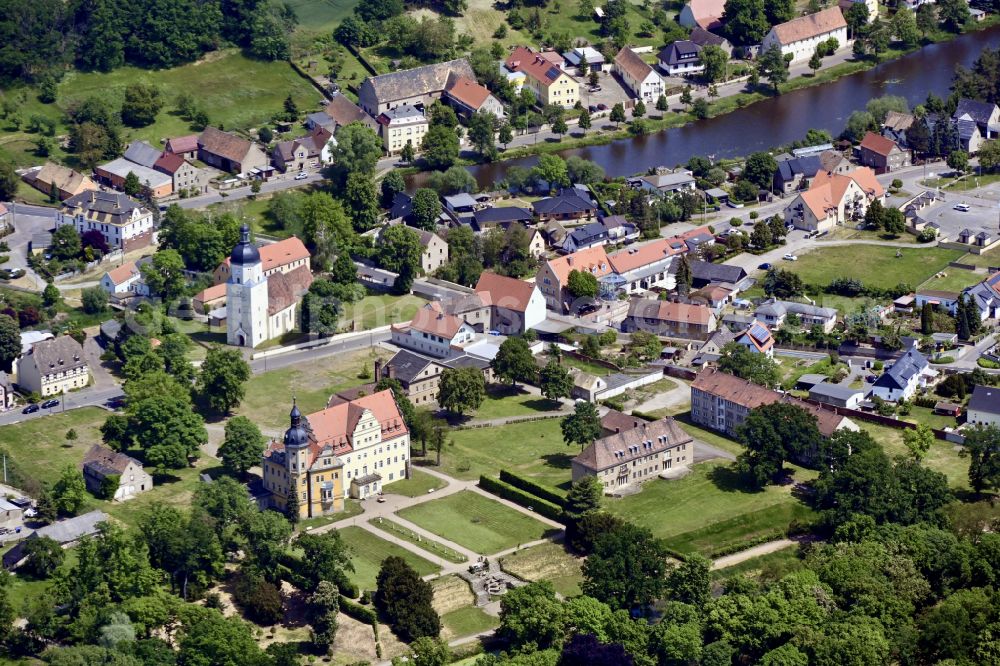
(758, 332)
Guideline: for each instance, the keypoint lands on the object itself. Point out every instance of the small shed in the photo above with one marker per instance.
(948, 409)
(807, 381)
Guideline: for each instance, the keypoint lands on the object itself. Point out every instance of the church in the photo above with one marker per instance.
(350, 449)
(260, 306)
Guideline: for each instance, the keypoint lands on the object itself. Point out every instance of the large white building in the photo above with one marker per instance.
(639, 76)
(802, 35)
(260, 307)
(124, 223)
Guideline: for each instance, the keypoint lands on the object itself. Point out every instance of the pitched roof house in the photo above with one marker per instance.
(339, 112)
(123, 221)
(639, 77)
(984, 406)
(65, 181)
(774, 313)
(882, 153)
(796, 173)
(433, 332)
(757, 338)
(420, 85)
(902, 379)
(516, 306)
(185, 146)
(114, 474)
(834, 199)
(800, 36)
(435, 251)
(669, 318)
(124, 279)
(704, 14)
(53, 367)
(680, 58)
(549, 83)
(704, 273)
(229, 152)
(629, 457)
(569, 204)
(468, 97)
(704, 38)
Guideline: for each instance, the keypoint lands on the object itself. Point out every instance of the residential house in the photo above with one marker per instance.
(639, 268)
(626, 459)
(401, 125)
(352, 448)
(704, 14)
(434, 253)
(124, 222)
(114, 475)
(833, 161)
(896, 125)
(872, 6)
(139, 159)
(339, 112)
(834, 199)
(412, 87)
(283, 256)
(468, 98)
(124, 280)
(613, 422)
(704, 273)
(229, 152)
(670, 318)
(65, 182)
(882, 154)
(536, 243)
(311, 150)
(12, 515)
(610, 229)
(209, 299)
(665, 183)
(586, 386)
(711, 350)
(471, 308)
(433, 332)
(484, 219)
(460, 204)
(590, 55)
(516, 306)
(704, 38)
(800, 36)
(183, 146)
(638, 76)
(902, 379)
(837, 395)
(401, 211)
(553, 275)
(944, 300)
(6, 392)
(984, 407)
(722, 402)
(53, 367)
(757, 338)
(66, 533)
(549, 83)
(796, 173)
(681, 58)
(985, 296)
(569, 204)
(774, 313)
(419, 375)
(976, 122)
(714, 297)
(184, 176)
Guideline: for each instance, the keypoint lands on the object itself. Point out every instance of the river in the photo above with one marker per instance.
(777, 120)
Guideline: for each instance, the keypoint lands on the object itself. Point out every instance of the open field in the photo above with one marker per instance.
(451, 593)
(942, 457)
(710, 500)
(269, 395)
(548, 561)
(419, 483)
(39, 448)
(534, 449)
(376, 310)
(872, 264)
(321, 15)
(955, 279)
(475, 522)
(740, 528)
(927, 416)
(466, 622)
(405, 533)
(504, 400)
(368, 551)
(771, 566)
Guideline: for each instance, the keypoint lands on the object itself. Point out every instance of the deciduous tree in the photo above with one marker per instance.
(461, 389)
(406, 599)
(583, 426)
(627, 568)
(242, 447)
(555, 381)
(223, 377)
(426, 207)
(514, 362)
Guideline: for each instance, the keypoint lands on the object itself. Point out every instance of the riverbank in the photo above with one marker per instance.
(722, 105)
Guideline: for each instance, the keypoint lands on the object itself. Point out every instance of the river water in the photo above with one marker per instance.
(777, 120)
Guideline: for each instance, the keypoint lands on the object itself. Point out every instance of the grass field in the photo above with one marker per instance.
(709, 499)
(368, 551)
(321, 15)
(770, 567)
(740, 528)
(419, 483)
(534, 449)
(405, 533)
(548, 561)
(377, 310)
(942, 457)
(504, 400)
(872, 264)
(955, 279)
(466, 622)
(269, 395)
(475, 522)
(39, 447)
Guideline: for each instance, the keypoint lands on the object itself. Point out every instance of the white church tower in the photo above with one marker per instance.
(246, 295)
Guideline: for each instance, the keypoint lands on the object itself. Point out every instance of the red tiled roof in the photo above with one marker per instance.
(878, 144)
(523, 59)
(629, 60)
(687, 313)
(169, 163)
(468, 92)
(183, 144)
(430, 319)
(632, 258)
(811, 25)
(123, 272)
(504, 292)
(281, 253)
(211, 293)
(592, 260)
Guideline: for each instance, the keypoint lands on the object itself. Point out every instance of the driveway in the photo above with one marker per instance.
(28, 220)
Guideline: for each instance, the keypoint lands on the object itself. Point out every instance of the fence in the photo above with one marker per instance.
(322, 342)
(887, 421)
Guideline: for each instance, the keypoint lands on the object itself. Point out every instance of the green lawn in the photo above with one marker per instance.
(39, 448)
(710, 498)
(368, 551)
(352, 508)
(321, 15)
(467, 621)
(548, 561)
(418, 484)
(771, 566)
(955, 279)
(942, 457)
(269, 396)
(534, 449)
(792, 368)
(377, 310)
(872, 264)
(708, 436)
(405, 533)
(741, 528)
(927, 416)
(476, 522)
(505, 400)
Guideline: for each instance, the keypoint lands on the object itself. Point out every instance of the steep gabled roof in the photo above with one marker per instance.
(122, 273)
(708, 13)
(102, 461)
(142, 153)
(978, 111)
(285, 289)
(632, 258)
(523, 59)
(505, 292)
(878, 144)
(468, 92)
(593, 260)
(669, 311)
(649, 438)
(417, 81)
(631, 63)
(281, 253)
(431, 319)
(343, 111)
(229, 146)
(809, 26)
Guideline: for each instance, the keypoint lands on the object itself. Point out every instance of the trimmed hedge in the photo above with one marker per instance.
(353, 609)
(739, 547)
(540, 506)
(534, 488)
(643, 415)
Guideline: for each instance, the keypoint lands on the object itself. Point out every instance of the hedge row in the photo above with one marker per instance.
(643, 415)
(746, 545)
(353, 609)
(534, 488)
(540, 506)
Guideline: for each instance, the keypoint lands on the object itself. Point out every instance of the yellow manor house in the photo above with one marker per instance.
(350, 449)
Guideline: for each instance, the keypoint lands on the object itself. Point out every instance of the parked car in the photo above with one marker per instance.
(602, 107)
(587, 309)
(790, 257)
(594, 88)
(592, 108)
(301, 175)
(871, 379)
(765, 266)
(962, 208)
(49, 404)
(30, 409)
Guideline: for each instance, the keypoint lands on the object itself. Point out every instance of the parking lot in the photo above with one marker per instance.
(612, 92)
(983, 212)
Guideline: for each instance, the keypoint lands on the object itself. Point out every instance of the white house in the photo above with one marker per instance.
(681, 58)
(126, 279)
(902, 379)
(124, 223)
(802, 35)
(517, 306)
(984, 406)
(432, 332)
(638, 76)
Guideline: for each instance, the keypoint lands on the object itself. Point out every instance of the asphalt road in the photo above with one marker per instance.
(28, 220)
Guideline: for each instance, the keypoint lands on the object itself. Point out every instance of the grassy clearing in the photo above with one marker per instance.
(872, 264)
(548, 561)
(771, 566)
(792, 369)
(954, 279)
(419, 483)
(451, 593)
(534, 449)
(475, 522)
(846, 233)
(708, 436)
(707, 499)
(942, 457)
(368, 551)
(321, 15)
(503, 401)
(740, 528)
(377, 310)
(926, 416)
(39, 448)
(269, 395)
(405, 533)
(980, 260)
(466, 622)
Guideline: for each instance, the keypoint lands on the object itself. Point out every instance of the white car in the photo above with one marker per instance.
(301, 175)
(963, 208)
(790, 257)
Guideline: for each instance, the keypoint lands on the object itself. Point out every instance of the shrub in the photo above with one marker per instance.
(353, 609)
(878, 365)
(926, 236)
(986, 363)
(260, 599)
(506, 491)
(943, 359)
(754, 215)
(530, 486)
